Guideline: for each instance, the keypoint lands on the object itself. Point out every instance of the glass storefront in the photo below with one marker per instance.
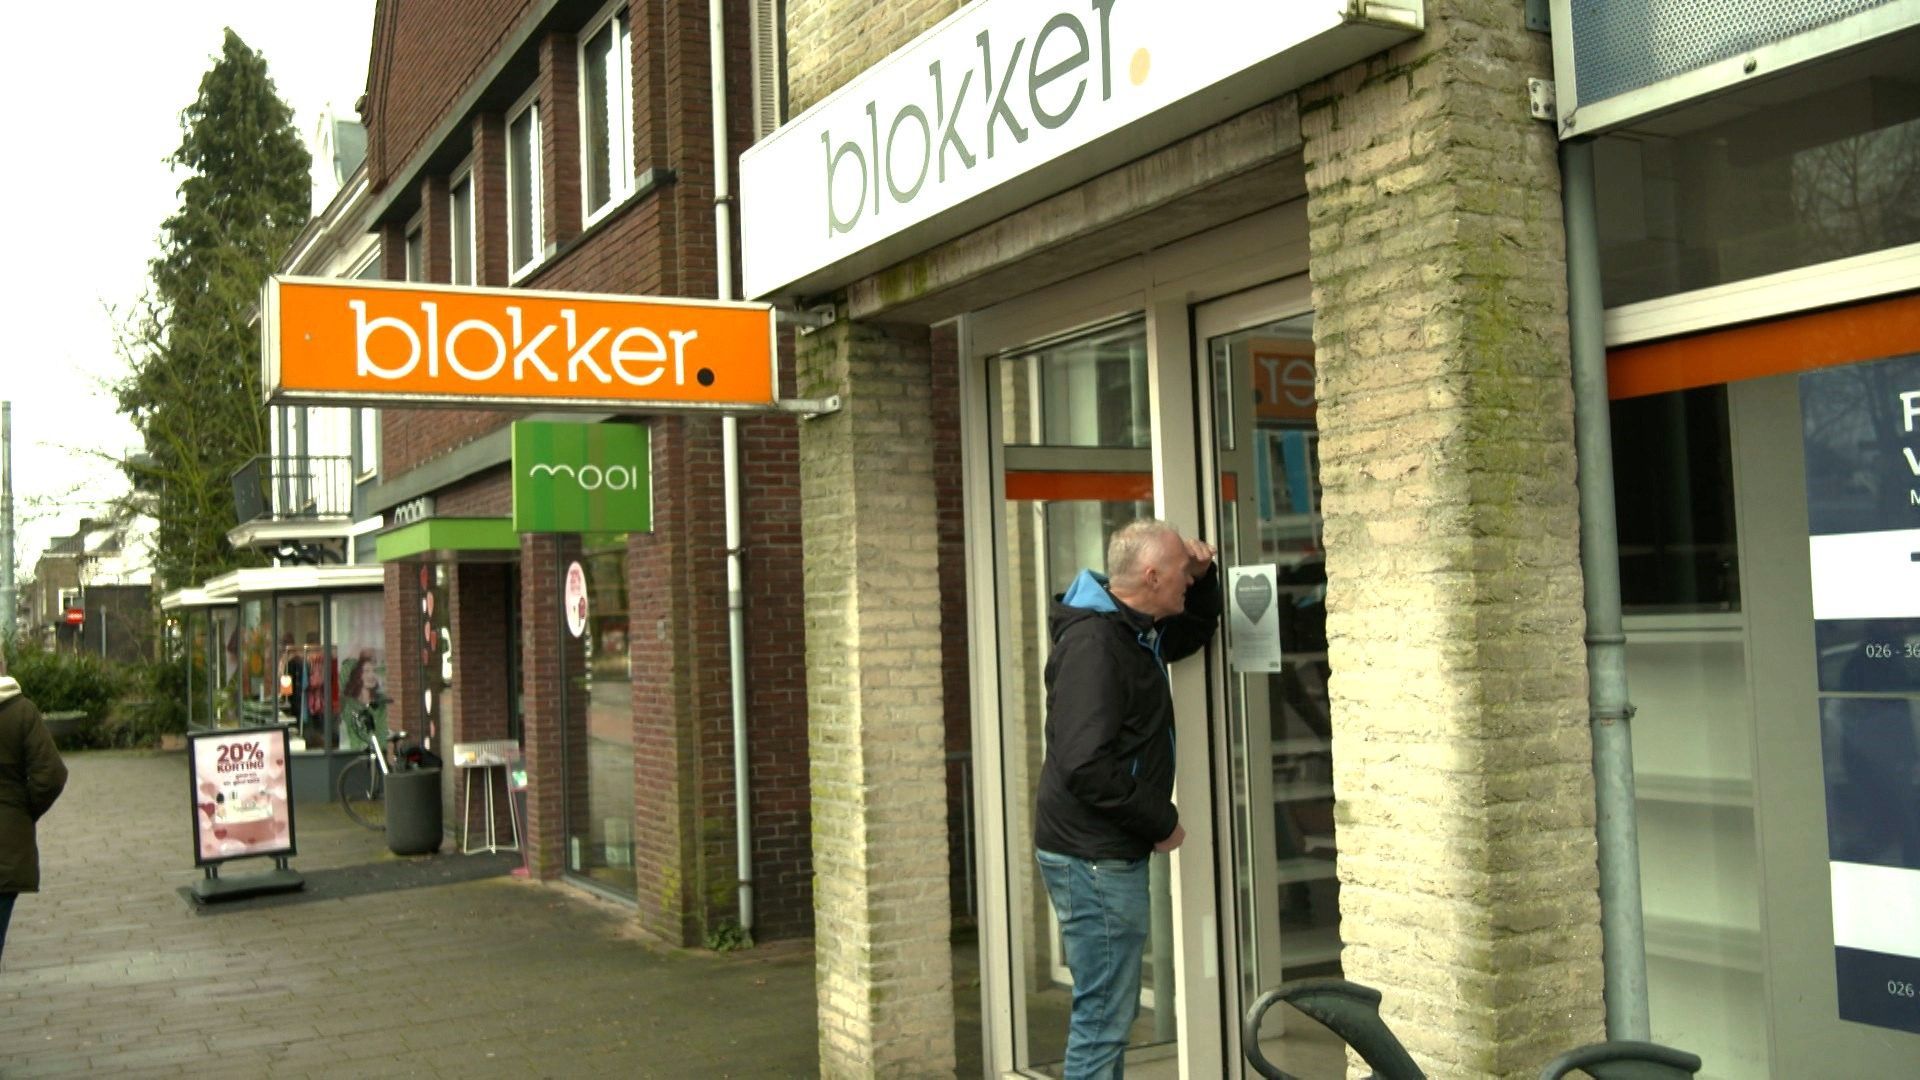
(1687, 670)
(358, 639)
(309, 672)
(1278, 717)
(296, 660)
(597, 729)
(261, 666)
(1073, 418)
(1757, 184)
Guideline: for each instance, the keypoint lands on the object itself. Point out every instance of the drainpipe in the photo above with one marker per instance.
(1622, 929)
(730, 452)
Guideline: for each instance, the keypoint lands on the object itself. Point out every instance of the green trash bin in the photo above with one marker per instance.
(413, 811)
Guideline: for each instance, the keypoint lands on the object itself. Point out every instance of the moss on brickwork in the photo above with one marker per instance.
(1454, 597)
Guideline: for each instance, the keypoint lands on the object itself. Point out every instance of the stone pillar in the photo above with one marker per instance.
(1455, 618)
(870, 535)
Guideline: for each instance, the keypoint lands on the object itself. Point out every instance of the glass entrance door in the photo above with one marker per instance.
(1072, 448)
(1272, 721)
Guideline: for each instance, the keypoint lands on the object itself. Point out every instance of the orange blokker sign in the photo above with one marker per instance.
(330, 341)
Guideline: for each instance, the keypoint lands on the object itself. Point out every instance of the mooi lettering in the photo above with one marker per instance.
(477, 350)
(595, 477)
(1014, 96)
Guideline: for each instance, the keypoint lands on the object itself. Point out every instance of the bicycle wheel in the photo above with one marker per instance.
(360, 795)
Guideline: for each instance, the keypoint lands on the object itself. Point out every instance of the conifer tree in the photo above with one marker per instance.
(194, 350)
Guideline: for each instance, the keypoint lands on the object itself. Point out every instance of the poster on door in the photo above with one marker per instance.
(240, 803)
(1253, 618)
(1861, 431)
(436, 647)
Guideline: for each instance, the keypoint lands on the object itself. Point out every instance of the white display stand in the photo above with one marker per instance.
(479, 760)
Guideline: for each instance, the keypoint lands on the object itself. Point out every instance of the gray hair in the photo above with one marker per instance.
(1134, 547)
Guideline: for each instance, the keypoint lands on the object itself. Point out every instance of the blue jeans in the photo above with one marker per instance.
(6, 916)
(1102, 907)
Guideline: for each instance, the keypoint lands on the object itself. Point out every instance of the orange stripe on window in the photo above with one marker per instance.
(1776, 347)
(1094, 487)
(1080, 486)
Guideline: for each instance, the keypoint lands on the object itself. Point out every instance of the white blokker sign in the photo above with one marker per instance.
(1008, 101)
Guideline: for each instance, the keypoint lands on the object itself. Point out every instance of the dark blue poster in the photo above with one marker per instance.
(1861, 430)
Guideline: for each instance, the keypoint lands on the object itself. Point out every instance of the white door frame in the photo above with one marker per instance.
(1164, 285)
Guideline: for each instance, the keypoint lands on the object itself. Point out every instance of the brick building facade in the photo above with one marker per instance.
(447, 86)
(1300, 287)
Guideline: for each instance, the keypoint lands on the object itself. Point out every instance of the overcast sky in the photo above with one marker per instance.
(86, 190)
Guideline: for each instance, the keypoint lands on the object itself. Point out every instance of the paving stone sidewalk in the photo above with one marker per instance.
(110, 972)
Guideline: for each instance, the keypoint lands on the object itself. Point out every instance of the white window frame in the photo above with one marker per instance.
(366, 443)
(618, 109)
(529, 260)
(463, 176)
(367, 266)
(413, 248)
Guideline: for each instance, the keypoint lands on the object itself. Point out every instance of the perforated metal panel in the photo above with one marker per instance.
(1625, 45)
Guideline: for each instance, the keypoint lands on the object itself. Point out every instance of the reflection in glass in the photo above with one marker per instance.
(1090, 390)
(1047, 544)
(1757, 185)
(190, 641)
(1279, 724)
(1673, 494)
(1855, 429)
(1087, 392)
(1870, 748)
(1686, 658)
(260, 672)
(360, 643)
(597, 733)
(309, 673)
(226, 666)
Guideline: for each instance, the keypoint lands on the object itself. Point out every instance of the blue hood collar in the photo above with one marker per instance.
(1089, 592)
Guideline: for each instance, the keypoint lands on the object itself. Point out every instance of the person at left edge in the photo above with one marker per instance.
(31, 778)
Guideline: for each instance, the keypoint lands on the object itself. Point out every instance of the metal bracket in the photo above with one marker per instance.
(808, 319)
(1539, 17)
(810, 408)
(1542, 101)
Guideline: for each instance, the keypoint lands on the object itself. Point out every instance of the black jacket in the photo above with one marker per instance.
(1106, 788)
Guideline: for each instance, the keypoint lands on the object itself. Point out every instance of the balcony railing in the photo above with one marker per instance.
(304, 488)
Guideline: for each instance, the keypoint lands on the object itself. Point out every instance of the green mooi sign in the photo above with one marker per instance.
(570, 478)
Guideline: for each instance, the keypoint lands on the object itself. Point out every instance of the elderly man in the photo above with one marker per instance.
(31, 777)
(1106, 788)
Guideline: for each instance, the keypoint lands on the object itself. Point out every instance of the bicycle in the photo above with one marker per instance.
(363, 782)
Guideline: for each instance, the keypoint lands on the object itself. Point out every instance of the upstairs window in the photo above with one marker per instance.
(416, 269)
(523, 188)
(460, 218)
(606, 117)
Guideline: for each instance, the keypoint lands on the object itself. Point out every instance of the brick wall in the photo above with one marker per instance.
(400, 633)
(490, 198)
(657, 244)
(831, 41)
(489, 494)
(666, 772)
(542, 681)
(425, 53)
(559, 107)
(480, 698)
(1463, 763)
